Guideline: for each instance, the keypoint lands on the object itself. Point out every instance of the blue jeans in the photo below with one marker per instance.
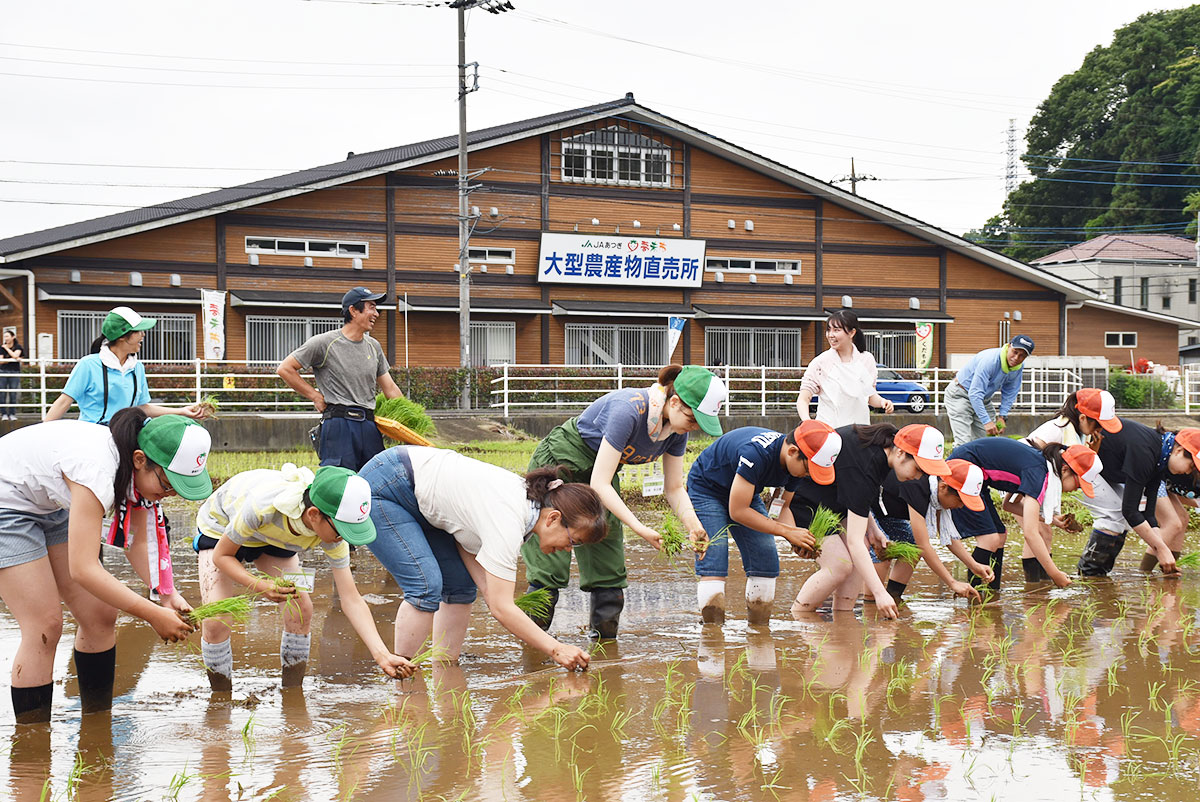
(9, 387)
(423, 559)
(760, 556)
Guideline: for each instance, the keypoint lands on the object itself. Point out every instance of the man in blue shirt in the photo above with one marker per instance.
(969, 397)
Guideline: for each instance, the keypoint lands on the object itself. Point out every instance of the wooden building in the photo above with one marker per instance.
(776, 248)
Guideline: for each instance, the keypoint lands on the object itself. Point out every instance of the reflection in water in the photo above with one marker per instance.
(1088, 691)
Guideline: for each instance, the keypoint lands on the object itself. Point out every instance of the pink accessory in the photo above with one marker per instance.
(555, 484)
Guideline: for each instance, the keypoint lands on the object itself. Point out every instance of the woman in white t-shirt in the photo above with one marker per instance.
(844, 376)
(447, 524)
(57, 482)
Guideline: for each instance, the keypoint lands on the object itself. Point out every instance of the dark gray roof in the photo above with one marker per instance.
(359, 163)
(609, 307)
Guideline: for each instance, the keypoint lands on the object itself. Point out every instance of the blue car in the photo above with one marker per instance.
(900, 391)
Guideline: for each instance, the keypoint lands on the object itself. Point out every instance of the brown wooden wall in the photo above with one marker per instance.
(1156, 341)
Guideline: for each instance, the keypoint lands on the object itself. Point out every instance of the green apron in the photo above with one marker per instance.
(602, 564)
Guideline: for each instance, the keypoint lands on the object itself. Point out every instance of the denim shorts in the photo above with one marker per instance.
(423, 559)
(25, 536)
(760, 555)
(247, 554)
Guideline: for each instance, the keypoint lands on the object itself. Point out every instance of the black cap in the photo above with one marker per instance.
(359, 294)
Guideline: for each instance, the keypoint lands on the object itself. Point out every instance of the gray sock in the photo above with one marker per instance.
(218, 657)
(293, 648)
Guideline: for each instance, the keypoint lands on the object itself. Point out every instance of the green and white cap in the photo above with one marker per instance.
(180, 446)
(123, 320)
(345, 497)
(704, 393)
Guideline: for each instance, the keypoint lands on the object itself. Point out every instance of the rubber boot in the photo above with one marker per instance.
(1034, 572)
(710, 596)
(545, 623)
(983, 557)
(1149, 563)
(96, 672)
(607, 604)
(760, 600)
(896, 589)
(1101, 553)
(32, 705)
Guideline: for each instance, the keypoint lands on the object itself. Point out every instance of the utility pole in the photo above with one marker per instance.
(464, 218)
(853, 178)
(1010, 171)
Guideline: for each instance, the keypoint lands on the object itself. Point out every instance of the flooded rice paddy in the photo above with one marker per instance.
(1090, 692)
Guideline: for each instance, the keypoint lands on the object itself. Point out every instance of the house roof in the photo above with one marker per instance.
(380, 162)
(1146, 314)
(1125, 248)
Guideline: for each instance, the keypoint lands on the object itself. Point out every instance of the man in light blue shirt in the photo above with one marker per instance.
(969, 397)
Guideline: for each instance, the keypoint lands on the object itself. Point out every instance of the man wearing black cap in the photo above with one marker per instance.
(350, 368)
(969, 397)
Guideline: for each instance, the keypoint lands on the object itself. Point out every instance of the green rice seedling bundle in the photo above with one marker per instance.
(210, 405)
(825, 522)
(405, 411)
(1189, 560)
(674, 536)
(236, 607)
(904, 552)
(536, 603)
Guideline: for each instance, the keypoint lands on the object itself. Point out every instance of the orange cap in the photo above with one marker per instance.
(821, 445)
(925, 443)
(967, 479)
(1087, 465)
(1100, 406)
(1190, 440)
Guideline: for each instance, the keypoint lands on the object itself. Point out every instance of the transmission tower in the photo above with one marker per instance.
(1010, 171)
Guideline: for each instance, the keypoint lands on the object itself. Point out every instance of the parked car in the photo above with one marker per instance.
(904, 394)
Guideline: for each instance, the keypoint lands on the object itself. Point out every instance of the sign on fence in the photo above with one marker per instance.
(616, 259)
(213, 304)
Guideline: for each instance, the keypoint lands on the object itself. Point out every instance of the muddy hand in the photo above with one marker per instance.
(171, 625)
(700, 542)
(887, 605)
(1061, 579)
(570, 657)
(652, 537)
(965, 590)
(177, 603)
(396, 666)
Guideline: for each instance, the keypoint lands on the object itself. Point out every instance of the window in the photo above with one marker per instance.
(313, 247)
(1116, 299)
(270, 339)
(753, 265)
(588, 344)
(774, 348)
(493, 343)
(1166, 302)
(1145, 293)
(1191, 291)
(492, 255)
(616, 155)
(173, 339)
(896, 349)
(1120, 339)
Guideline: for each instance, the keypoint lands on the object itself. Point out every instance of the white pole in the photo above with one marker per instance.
(406, 333)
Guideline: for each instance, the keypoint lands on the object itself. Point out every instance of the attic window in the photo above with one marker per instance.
(615, 155)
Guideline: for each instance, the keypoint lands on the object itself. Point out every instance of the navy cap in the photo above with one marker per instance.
(360, 294)
(1022, 342)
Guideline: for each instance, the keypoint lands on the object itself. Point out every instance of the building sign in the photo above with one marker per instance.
(213, 303)
(615, 259)
(924, 346)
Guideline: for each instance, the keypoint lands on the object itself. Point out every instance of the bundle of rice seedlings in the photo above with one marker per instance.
(210, 405)
(674, 536)
(904, 552)
(236, 607)
(535, 603)
(1189, 560)
(406, 411)
(824, 522)
(281, 583)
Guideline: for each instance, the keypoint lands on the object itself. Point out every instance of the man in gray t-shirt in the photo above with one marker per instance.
(350, 367)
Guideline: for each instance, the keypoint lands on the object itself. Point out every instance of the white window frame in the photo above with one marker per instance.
(780, 266)
(752, 333)
(1121, 335)
(323, 324)
(338, 245)
(169, 324)
(492, 256)
(578, 142)
(485, 333)
(575, 330)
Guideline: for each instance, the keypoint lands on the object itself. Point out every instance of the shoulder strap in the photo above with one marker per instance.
(104, 412)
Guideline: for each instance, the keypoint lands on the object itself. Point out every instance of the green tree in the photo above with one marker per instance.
(1115, 144)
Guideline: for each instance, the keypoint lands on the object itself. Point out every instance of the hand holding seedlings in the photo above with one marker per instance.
(396, 666)
(965, 591)
(570, 657)
(803, 542)
(699, 540)
(273, 588)
(170, 625)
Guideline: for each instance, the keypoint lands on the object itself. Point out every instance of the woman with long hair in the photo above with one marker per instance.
(11, 353)
(843, 376)
(57, 482)
(633, 426)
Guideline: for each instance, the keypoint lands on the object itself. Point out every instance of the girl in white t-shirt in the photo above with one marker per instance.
(843, 377)
(57, 482)
(447, 524)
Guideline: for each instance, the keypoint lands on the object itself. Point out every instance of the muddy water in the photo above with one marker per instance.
(1088, 692)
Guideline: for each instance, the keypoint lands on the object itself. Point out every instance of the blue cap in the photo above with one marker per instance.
(1022, 342)
(359, 294)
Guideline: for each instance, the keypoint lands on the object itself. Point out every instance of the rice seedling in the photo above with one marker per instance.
(430, 653)
(1154, 691)
(1189, 560)
(237, 608)
(248, 736)
(178, 781)
(536, 604)
(773, 785)
(210, 405)
(405, 411)
(340, 736)
(1127, 719)
(824, 523)
(78, 769)
(901, 552)
(617, 725)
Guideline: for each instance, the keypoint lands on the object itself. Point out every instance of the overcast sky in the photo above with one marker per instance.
(124, 103)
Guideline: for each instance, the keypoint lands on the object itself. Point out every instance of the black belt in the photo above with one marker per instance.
(344, 411)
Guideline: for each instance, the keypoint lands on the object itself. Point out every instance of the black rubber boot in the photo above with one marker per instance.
(1101, 553)
(545, 623)
(1149, 563)
(32, 705)
(96, 671)
(1034, 572)
(896, 589)
(997, 564)
(983, 557)
(607, 604)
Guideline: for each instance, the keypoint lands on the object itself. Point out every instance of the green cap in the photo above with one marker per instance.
(704, 393)
(123, 320)
(180, 446)
(345, 497)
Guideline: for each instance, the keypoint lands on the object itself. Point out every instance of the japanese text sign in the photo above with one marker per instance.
(615, 259)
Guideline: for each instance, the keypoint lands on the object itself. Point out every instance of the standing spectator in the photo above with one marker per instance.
(844, 376)
(10, 374)
(349, 365)
(969, 396)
